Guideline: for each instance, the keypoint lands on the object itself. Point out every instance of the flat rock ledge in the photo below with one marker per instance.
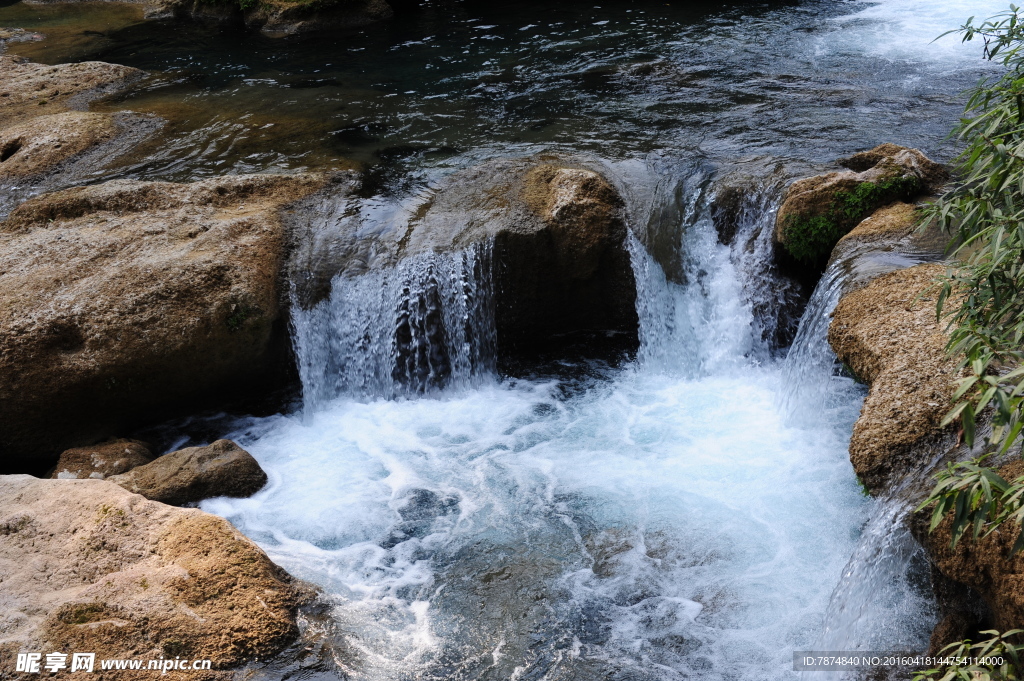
(86, 566)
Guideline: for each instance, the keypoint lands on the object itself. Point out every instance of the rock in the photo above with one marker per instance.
(287, 17)
(196, 473)
(29, 89)
(42, 144)
(559, 264)
(102, 460)
(39, 144)
(128, 302)
(985, 565)
(88, 566)
(887, 334)
(820, 210)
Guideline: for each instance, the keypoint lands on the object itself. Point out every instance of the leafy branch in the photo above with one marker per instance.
(982, 297)
(981, 661)
(979, 500)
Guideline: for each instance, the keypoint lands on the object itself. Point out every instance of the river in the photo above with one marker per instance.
(687, 513)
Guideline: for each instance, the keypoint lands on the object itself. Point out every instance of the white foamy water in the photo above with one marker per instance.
(909, 30)
(665, 521)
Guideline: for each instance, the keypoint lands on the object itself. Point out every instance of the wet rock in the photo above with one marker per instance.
(88, 566)
(102, 460)
(560, 259)
(284, 17)
(558, 264)
(129, 302)
(887, 334)
(28, 89)
(38, 144)
(891, 238)
(196, 473)
(820, 210)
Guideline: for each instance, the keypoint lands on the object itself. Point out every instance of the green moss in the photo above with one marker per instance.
(241, 314)
(811, 238)
(83, 613)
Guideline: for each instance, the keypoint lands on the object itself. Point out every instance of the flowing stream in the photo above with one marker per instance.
(689, 513)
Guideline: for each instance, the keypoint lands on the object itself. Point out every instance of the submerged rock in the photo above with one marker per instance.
(820, 210)
(102, 460)
(196, 473)
(88, 566)
(287, 17)
(887, 334)
(130, 301)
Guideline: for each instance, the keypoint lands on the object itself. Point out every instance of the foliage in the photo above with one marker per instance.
(985, 213)
(983, 660)
(978, 498)
(810, 238)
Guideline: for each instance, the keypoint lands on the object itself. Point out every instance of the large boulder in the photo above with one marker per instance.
(102, 460)
(87, 566)
(887, 334)
(818, 211)
(131, 301)
(557, 262)
(196, 473)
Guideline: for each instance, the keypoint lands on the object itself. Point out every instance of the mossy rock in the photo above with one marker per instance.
(819, 211)
(810, 237)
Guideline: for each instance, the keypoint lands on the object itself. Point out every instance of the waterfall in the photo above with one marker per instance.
(809, 369)
(423, 324)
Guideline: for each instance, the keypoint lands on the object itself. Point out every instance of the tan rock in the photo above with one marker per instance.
(37, 145)
(220, 469)
(87, 566)
(891, 223)
(102, 460)
(28, 89)
(886, 332)
(130, 300)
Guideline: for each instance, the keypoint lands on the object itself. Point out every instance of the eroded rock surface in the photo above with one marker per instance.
(102, 460)
(886, 332)
(819, 210)
(196, 473)
(126, 301)
(87, 566)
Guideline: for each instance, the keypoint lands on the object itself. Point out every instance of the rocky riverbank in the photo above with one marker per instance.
(884, 330)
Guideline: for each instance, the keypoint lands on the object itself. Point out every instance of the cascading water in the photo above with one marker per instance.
(663, 522)
(423, 324)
